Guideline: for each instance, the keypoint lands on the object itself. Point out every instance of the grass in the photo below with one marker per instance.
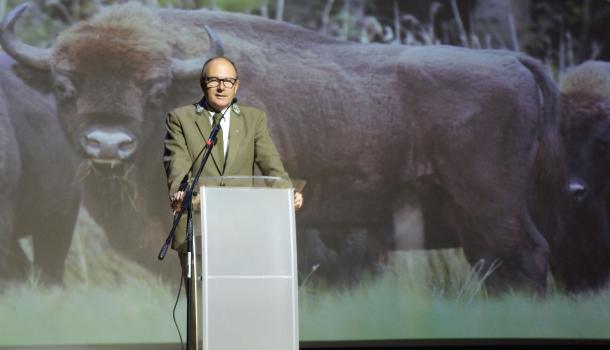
(424, 294)
(135, 312)
(107, 299)
(435, 295)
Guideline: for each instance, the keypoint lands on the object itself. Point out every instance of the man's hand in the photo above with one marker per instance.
(177, 198)
(176, 201)
(298, 200)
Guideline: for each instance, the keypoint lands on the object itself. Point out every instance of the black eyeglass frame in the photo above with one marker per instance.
(212, 82)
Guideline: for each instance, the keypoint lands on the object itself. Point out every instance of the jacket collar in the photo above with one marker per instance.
(202, 106)
(235, 132)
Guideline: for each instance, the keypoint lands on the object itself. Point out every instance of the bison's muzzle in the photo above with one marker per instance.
(101, 144)
(578, 189)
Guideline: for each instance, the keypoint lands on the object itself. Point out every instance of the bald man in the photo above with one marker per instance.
(245, 137)
(245, 142)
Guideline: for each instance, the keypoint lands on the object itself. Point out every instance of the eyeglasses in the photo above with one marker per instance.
(213, 82)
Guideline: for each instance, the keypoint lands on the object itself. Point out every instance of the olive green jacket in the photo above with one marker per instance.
(249, 143)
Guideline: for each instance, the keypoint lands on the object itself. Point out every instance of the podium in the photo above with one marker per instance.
(248, 264)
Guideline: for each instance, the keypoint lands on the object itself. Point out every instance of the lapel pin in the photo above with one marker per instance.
(236, 109)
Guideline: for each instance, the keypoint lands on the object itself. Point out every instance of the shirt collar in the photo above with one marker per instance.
(223, 112)
(202, 105)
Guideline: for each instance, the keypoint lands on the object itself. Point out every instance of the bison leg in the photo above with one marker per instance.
(508, 251)
(483, 165)
(581, 261)
(6, 233)
(489, 194)
(14, 265)
(331, 256)
(340, 256)
(439, 217)
(52, 243)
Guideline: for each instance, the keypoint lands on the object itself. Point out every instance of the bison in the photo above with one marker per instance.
(581, 255)
(585, 127)
(40, 192)
(360, 122)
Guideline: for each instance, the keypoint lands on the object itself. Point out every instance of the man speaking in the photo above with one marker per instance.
(242, 142)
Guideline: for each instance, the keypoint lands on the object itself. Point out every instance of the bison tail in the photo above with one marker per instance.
(548, 168)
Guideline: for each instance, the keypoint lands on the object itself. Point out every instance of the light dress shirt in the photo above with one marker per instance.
(225, 124)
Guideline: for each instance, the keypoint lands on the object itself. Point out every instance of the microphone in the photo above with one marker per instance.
(209, 141)
(184, 182)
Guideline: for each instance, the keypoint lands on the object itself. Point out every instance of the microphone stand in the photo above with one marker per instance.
(191, 274)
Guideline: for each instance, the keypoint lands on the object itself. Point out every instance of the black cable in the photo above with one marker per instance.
(195, 160)
(222, 116)
(174, 313)
(184, 182)
(206, 145)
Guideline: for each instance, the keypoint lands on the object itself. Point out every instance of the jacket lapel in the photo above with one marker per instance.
(203, 125)
(235, 137)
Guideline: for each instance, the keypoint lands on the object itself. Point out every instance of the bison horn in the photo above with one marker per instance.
(21, 52)
(183, 69)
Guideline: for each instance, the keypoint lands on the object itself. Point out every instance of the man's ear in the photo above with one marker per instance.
(236, 87)
(202, 84)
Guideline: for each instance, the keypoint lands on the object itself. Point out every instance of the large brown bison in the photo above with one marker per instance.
(40, 193)
(585, 126)
(359, 122)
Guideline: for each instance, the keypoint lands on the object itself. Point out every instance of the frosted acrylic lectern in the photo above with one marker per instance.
(249, 265)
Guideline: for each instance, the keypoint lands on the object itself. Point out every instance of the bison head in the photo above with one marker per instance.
(586, 130)
(585, 109)
(587, 136)
(111, 76)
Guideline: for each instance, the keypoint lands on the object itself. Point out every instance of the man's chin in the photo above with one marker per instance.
(219, 105)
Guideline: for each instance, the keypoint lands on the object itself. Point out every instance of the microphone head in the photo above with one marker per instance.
(234, 100)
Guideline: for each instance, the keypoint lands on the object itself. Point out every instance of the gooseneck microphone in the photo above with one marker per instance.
(189, 188)
(184, 182)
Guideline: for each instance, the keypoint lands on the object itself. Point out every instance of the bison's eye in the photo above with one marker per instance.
(156, 92)
(64, 88)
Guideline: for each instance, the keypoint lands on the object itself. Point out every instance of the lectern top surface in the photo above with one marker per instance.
(252, 181)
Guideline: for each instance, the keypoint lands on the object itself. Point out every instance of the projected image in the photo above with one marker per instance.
(455, 153)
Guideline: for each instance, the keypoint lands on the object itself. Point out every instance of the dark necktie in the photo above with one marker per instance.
(219, 142)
